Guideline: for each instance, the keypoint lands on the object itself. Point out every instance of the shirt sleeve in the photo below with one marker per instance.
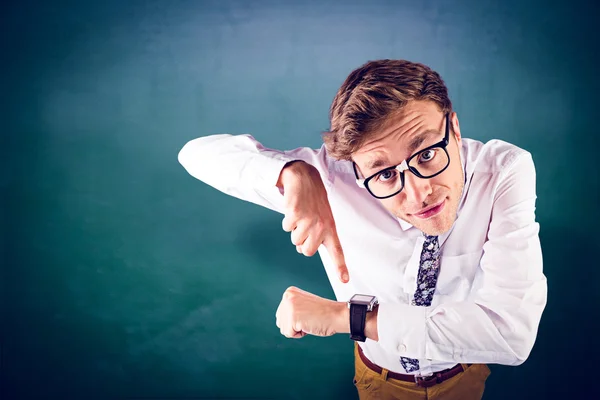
(498, 322)
(240, 166)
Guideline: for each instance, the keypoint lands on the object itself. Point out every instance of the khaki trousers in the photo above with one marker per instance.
(467, 385)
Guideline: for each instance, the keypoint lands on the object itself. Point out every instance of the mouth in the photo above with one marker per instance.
(431, 211)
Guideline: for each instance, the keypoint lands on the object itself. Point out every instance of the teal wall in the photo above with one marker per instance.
(125, 277)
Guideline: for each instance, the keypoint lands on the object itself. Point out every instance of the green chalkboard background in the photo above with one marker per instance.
(124, 277)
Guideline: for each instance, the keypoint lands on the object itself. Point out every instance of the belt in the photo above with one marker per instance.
(427, 381)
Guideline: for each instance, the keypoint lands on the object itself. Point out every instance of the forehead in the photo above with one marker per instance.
(400, 135)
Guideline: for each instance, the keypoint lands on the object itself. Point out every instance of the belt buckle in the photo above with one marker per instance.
(424, 381)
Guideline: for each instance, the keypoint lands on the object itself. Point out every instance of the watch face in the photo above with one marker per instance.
(361, 298)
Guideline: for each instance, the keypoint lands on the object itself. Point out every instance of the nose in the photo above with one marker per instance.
(416, 189)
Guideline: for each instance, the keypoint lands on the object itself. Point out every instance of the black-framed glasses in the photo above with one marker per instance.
(427, 163)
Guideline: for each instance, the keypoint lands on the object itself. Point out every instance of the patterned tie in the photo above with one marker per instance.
(429, 268)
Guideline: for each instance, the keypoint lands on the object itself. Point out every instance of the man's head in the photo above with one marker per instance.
(385, 112)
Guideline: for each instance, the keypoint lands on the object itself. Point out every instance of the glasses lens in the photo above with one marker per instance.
(385, 183)
(430, 162)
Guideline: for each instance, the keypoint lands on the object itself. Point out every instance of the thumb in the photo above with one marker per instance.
(334, 248)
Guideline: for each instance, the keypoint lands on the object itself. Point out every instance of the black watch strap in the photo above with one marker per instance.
(358, 318)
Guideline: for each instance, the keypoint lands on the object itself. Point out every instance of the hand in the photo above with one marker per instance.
(301, 313)
(308, 214)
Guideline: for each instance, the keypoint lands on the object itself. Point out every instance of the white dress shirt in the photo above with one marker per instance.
(491, 290)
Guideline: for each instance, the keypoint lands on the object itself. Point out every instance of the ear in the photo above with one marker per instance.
(455, 126)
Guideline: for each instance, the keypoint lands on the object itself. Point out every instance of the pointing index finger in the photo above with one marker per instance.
(334, 248)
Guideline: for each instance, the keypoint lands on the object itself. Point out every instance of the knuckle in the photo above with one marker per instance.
(319, 224)
(309, 252)
(294, 211)
(290, 291)
(319, 228)
(291, 216)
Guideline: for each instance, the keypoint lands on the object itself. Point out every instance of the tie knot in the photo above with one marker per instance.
(429, 238)
(430, 243)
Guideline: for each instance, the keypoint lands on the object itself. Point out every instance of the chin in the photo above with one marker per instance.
(432, 227)
(435, 231)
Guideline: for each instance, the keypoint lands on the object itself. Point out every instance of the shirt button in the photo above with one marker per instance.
(401, 347)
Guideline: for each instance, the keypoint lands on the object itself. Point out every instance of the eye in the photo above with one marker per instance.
(426, 156)
(387, 175)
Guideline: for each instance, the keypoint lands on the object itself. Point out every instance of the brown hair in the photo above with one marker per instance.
(373, 92)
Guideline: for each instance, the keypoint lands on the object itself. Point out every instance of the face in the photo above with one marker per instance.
(430, 205)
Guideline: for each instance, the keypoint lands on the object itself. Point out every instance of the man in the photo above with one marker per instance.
(434, 233)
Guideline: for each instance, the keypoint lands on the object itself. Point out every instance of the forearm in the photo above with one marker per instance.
(468, 332)
(241, 167)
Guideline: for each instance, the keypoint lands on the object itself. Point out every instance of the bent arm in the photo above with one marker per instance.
(499, 320)
(240, 166)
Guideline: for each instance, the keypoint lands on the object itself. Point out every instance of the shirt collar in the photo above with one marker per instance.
(403, 224)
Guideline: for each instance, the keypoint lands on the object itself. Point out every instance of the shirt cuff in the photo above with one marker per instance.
(268, 168)
(401, 329)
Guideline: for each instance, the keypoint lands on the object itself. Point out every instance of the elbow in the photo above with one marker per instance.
(194, 157)
(529, 326)
(514, 335)
(184, 154)
(523, 349)
(198, 157)
(515, 353)
(198, 154)
(520, 348)
(519, 359)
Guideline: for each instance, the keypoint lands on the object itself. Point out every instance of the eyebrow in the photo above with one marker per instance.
(419, 138)
(414, 144)
(376, 163)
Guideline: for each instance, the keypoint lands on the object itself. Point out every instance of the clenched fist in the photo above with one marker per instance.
(308, 215)
(301, 313)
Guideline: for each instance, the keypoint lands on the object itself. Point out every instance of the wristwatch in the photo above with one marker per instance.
(360, 305)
